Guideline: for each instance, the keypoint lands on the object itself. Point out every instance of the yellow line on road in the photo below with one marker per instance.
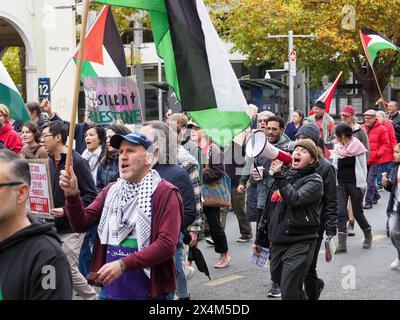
(374, 238)
(223, 280)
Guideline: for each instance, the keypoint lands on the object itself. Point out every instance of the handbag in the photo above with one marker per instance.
(218, 193)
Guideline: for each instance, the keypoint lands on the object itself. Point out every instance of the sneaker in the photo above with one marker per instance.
(367, 205)
(210, 241)
(350, 229)
(244, 239)
(395, 264)
(190, 272)
(275, 291)
(223, 261)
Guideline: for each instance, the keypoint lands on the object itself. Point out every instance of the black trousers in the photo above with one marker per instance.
(344, 191)
(289, 267)
(311, 284)
(217, 233)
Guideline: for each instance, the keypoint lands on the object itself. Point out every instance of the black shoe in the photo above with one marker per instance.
(367, 205)
(321, 285)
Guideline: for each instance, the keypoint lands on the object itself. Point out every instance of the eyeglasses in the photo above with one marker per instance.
(10, 184)
(47, 135)
(262, 120)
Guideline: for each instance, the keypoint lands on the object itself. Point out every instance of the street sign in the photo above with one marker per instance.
(292, 62)
(44, 89)
(292, 55)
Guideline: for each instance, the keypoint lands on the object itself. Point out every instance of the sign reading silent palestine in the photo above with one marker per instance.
(109, 99)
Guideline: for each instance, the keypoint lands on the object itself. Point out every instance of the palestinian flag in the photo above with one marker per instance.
(196, 65)
(373, 42)
(10, 97)
(327, 96)
(104, 54)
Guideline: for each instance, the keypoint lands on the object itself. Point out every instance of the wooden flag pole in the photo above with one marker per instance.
(77, 84)
(377, 83)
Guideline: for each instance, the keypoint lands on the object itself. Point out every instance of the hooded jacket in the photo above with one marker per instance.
(28, 260)
(11, 138)
(379, 142)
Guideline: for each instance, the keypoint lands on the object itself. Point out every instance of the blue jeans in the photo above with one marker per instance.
(371, 183)
(384, 167)
(85, 255)
(181, 279)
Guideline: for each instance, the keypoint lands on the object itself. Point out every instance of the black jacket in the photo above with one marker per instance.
(79, 136)
(329, 204)
(293, 214)
(396, 124)
(180, 178)
(391, 187)
(85, 183)
(28, 259)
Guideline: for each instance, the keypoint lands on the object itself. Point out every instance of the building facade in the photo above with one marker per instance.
(47, 35)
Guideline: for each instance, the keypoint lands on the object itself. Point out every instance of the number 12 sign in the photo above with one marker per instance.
(44, 89)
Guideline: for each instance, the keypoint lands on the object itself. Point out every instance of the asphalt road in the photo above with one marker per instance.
(358, 274)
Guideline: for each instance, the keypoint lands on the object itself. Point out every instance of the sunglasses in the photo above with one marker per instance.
(262, 120)
(10, 184)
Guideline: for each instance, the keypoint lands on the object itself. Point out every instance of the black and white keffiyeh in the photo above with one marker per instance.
(127, 209)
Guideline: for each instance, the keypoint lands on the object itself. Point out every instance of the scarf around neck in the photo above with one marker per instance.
(127, 209)
(352, 149)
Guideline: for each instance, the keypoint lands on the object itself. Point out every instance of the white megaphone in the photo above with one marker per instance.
(258, 145)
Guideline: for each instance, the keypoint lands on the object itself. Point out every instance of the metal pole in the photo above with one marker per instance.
(291, 78)
(160, 107)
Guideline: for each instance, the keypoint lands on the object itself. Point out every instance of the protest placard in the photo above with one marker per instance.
(109, 99)
(40, 194)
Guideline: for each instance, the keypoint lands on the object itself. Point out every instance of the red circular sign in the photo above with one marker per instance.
(292, 55)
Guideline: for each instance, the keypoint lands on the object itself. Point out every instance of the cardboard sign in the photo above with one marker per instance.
(109, 99)
(40, 194)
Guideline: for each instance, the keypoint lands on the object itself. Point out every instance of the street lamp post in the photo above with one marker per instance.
(292, 63)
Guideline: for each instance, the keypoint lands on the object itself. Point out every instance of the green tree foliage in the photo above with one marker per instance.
(246, 23)
(11, 62)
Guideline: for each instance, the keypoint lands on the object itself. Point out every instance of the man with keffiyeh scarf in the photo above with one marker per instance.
(139, 225)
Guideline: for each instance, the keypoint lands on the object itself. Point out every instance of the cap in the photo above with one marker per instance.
(320, 104)
(192, 124)
(309, 145)
(348, 110)
(134, 138)
(370, 112)
(310, 131)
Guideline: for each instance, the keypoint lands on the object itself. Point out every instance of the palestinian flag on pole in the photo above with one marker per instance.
(104, 54)
(10, 97)
(373, 42)
(328, 93)
(196, 65)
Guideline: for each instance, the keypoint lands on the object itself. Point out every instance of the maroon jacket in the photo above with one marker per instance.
(165, 228)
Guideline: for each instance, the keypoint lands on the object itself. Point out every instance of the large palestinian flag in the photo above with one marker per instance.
(373, 42)
(104, 54)
(196, 65)
(10, 97)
